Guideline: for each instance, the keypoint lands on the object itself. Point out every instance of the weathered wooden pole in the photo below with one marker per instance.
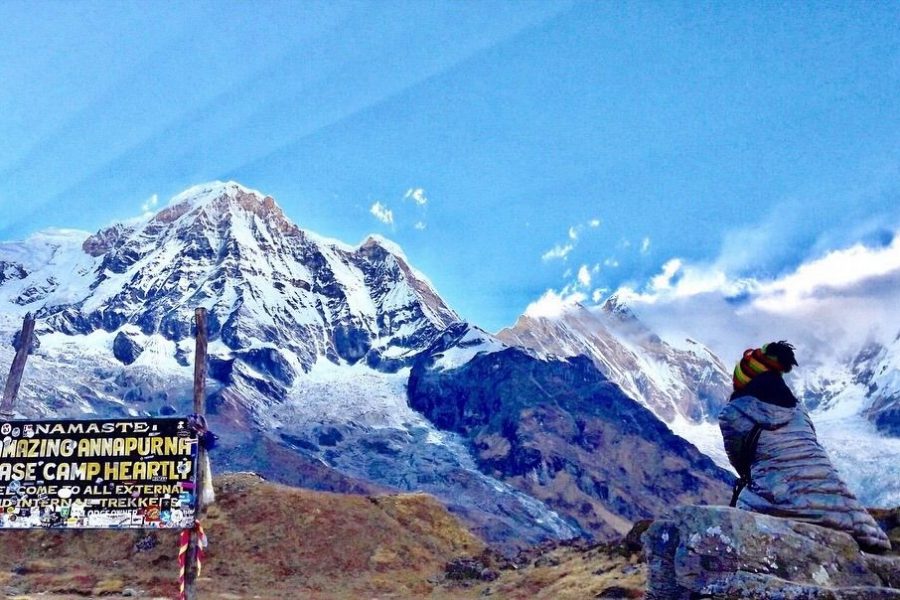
(199, 409)
(17, 368)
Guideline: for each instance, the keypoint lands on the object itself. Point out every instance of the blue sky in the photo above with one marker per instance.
(753, 136)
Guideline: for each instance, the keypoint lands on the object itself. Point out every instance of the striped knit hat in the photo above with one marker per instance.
(775, 356)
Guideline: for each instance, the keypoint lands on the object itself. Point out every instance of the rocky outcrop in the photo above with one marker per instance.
(10, 270)
(563, 433)
(126, 349)
(17, 341)
(721, 553)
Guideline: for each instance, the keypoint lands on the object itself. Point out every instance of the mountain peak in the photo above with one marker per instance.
(280, 297)
(615, 306)
(204, 204)
(212, 190)
(226, 193)
(373, 239)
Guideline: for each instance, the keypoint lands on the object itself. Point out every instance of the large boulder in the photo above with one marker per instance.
(721, 553)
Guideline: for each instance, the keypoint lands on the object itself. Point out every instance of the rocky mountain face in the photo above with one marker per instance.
(678, 384)
(561, 431)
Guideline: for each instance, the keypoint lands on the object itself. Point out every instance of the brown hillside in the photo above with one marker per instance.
(269, 541)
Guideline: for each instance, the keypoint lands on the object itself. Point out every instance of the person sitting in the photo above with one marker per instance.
(771, 442)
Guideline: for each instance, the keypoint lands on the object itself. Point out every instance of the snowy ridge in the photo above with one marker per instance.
(676, 384)
(473, 342)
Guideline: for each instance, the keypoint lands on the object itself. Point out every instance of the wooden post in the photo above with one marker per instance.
(199, 409)
(17, 368)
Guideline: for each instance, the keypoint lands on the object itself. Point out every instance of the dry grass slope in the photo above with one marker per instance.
(269, 541)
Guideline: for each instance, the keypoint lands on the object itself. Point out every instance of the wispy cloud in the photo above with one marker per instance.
(584, 276)
(382, 213)
(573, 236)
(420, 225)
(417, 195)
(150, 204)
(645, 245)
(558, 252)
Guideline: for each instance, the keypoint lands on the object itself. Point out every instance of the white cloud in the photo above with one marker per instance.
(420, 225)
(837, 273)
(382, 213)
(663, 281)
(645, 246)
(561, 251)
(150, 204)
(830, 304)
(557, 252)
(597, 295)
(611, 262)
(584, 276)
(552, 304)
(834, 273)
(417, 195)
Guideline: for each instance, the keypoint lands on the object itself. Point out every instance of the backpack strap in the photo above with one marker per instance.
(748, 455)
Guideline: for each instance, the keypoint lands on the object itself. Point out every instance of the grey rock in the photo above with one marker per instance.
(724, 553)
(125, 349)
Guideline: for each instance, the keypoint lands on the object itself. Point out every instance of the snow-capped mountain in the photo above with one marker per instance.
(882, 380)
(854, 399)
(688, 383)
(866, 384)
(270, 287)
(683, 386)
(310, 342)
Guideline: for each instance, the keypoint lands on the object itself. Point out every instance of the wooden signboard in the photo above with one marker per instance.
(102, 474)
